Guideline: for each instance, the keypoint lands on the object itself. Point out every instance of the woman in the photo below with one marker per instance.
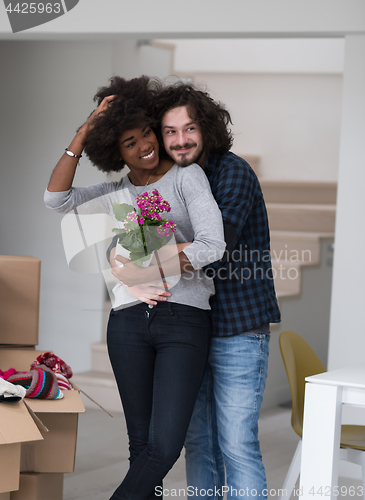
(157, 353)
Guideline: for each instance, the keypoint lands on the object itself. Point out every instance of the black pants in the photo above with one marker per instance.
(158, 357)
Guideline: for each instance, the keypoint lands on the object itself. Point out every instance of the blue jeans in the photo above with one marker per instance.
(223, 431)
(158, 357)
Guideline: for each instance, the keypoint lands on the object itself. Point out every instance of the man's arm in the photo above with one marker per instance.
(234, 191)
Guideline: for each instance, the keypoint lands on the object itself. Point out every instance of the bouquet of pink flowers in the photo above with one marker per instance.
(147, 231)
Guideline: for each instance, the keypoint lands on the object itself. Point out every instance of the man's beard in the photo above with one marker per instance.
(184, 161)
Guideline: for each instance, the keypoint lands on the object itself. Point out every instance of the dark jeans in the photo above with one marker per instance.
(158, 357)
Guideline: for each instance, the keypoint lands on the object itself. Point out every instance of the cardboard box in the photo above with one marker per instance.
(19, 358)
(39, 487)
(19, 298)
(16, 427)
(56, 453)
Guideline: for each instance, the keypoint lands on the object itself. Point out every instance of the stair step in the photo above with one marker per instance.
(303, 247)
(303, 192)
(300, 235)
(101, 387)
(308, 218)
(284, 293)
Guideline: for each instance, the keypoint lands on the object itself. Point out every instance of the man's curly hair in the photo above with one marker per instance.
(212, 118)
(130, 109)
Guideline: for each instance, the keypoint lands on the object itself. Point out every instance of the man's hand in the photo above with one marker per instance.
(150, 292)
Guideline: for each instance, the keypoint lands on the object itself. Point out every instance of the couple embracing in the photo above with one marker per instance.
(190, 355)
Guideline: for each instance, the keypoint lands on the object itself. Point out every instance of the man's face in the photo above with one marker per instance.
(182, 137)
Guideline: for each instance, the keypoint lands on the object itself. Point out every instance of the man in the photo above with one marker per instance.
(223, 433)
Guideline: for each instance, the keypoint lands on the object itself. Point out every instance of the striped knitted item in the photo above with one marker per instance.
(62, 380)
(38, 383)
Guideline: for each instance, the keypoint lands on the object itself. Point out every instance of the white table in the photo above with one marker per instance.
(324, 396)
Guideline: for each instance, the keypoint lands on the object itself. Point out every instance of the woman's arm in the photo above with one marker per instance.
(131, 274)
(64, 172)
(60, 195)
(154, 290)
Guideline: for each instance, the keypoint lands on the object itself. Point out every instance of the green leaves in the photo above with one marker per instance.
(121, 210)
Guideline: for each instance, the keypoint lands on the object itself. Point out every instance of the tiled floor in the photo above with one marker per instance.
(102, 455)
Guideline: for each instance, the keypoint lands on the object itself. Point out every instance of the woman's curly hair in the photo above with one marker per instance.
(212, 118)
(130, 109)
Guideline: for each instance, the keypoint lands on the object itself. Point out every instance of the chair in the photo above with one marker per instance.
(301, 361)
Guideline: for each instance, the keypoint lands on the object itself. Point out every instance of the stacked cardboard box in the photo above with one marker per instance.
(19, 299)
(39, 487)
(32, 460)
(16, 428)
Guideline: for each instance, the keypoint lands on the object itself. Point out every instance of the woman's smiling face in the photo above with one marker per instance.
(139, 148)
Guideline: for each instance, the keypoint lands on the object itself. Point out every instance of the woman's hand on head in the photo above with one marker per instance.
(63, 174)
(100, 109)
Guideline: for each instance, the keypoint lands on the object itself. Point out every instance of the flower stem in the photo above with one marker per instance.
(160, 268)
(144, 241)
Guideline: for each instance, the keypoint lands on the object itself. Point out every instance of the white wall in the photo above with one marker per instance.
(46, 93)
(291, 121)
(347, 339)
(266, 55)
(131, 58)
(284, 96)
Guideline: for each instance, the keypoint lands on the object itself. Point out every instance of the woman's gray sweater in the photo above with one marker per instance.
(193, 209)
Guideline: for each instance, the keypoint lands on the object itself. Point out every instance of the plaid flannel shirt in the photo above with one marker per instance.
(245, 297)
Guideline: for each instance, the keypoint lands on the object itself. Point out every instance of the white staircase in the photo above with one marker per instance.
(301, 216)
(302, 223)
